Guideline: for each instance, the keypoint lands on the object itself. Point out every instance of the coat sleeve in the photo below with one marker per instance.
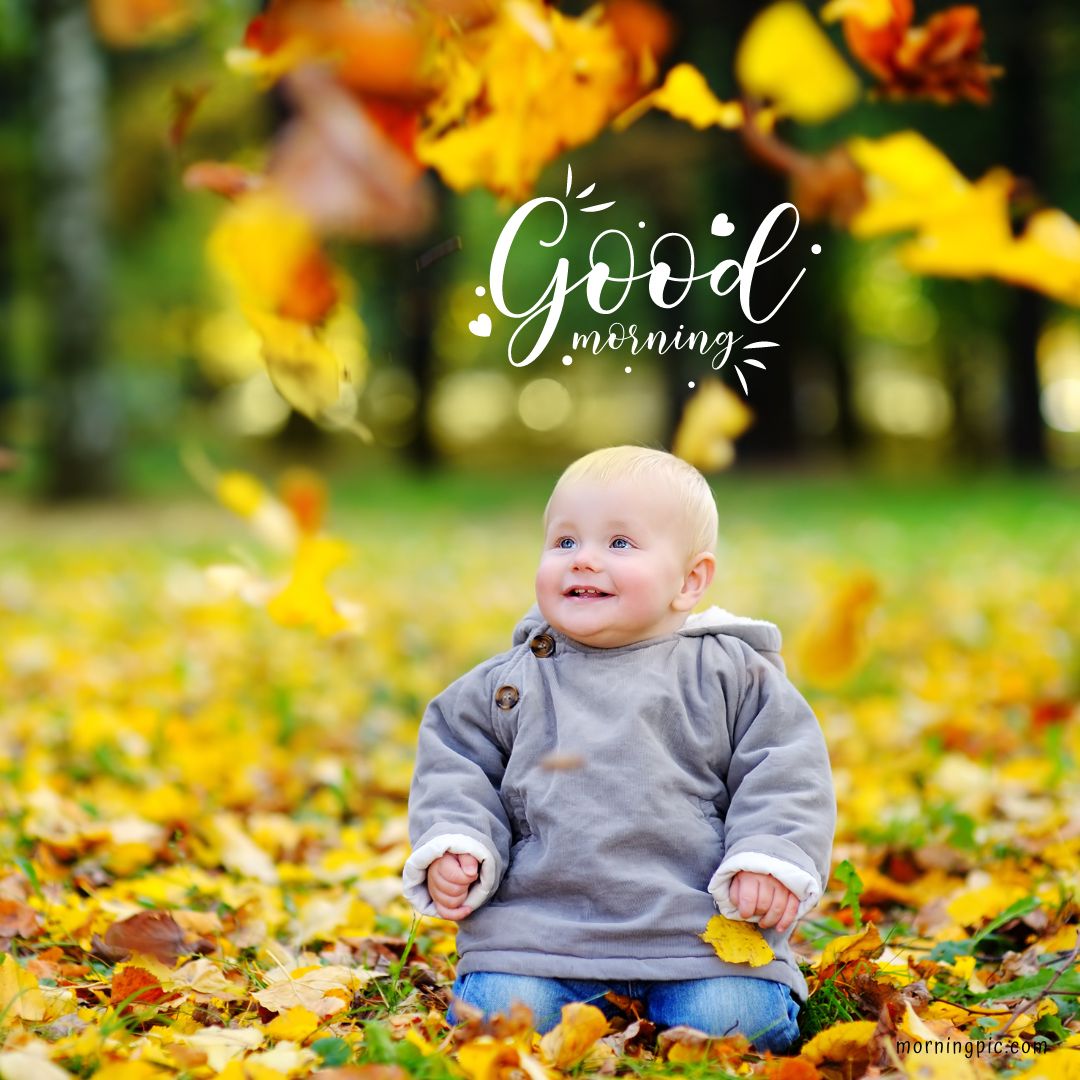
(454, 802)
(781, 816)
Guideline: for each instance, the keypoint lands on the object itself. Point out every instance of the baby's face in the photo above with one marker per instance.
(614, 563)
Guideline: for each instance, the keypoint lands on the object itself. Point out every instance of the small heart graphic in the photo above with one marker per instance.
(481, 326)
(721, 226)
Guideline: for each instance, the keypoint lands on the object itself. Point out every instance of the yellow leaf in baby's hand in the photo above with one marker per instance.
(737, 942)
(569, 1042)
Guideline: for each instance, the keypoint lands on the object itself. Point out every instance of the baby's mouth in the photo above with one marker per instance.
(586, 593)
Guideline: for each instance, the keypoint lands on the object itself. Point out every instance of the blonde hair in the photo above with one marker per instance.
(699, 516)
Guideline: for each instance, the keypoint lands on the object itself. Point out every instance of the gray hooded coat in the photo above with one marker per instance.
(610, 795)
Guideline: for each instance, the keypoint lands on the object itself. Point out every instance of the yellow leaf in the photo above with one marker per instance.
(261, 244)
(205, 980)
(568, 1043)
(975, 906)
(711, 420)
(972, 239)
(305, 600)
(296, 1025)
(833, 641)
(871, 13)
(1060, 1064)
(737, 942)
(843, 950)
(530, 84)
(241, 493)
(1046, 256)
(686, 95)
(786, 57)
(322, 990)
(128, 1070)
(31, 1063)
(19, 993)
(492, 1059)
(303, 368)
(839, 1042)
(908, 181)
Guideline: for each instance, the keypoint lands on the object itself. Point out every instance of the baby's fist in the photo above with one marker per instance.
(762, 894)
(448, 880)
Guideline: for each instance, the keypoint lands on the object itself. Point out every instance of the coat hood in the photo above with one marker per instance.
(763, 637)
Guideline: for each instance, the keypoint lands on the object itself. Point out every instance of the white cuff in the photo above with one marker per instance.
(795, 878)
(414, 875)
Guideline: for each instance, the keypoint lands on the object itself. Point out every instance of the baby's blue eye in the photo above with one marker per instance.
(566, 542)
(620, 542)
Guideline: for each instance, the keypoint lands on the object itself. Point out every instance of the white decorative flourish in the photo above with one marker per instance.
(752, 361)
(584, 194)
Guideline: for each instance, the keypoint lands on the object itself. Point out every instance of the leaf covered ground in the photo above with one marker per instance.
(204, 811)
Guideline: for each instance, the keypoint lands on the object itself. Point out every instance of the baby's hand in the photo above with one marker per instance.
(762, 894)
(448, 881)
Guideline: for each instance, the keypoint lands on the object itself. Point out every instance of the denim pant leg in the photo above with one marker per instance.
(493, 992)
(761, 1009)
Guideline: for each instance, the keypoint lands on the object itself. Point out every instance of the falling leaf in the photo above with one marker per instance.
(338, 165)
(268, 251)
(520, 90)
(126, 24)
(712, 419)
(686, 95)
(1045, 257)
(737, 942)
(786, 58)
(941, 60)
(305, 600)
(833, 642)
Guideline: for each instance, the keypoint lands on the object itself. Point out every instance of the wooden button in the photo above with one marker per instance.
(506, 697)
(542, 645)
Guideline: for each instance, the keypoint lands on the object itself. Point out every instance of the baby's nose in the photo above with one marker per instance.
(585, 559)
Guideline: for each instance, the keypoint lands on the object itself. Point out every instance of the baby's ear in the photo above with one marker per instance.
(698, 578)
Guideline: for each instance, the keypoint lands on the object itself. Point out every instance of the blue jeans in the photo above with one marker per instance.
(761, 1009)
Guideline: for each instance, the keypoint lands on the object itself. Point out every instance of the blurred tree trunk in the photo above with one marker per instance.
(422, 271)
(1022, 88)
(81, 426)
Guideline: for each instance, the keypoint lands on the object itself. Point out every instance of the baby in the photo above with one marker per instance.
(587, 800)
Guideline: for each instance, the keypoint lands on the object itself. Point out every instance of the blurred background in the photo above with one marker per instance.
(193, 715)
(119, 344)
